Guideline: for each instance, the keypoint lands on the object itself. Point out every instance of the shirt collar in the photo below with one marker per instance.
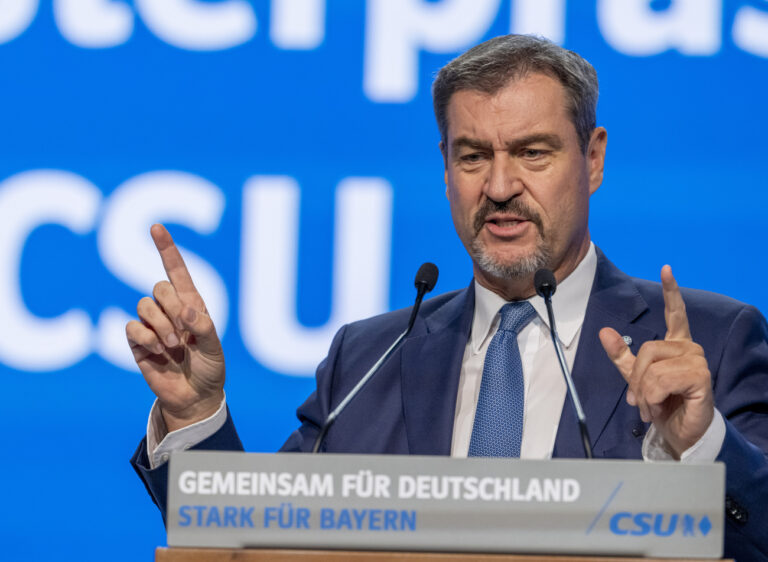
(569, 302)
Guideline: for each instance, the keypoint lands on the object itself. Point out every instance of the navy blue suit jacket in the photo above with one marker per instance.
(408, 408)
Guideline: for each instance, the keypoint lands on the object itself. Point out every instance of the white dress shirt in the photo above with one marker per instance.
(545, 388)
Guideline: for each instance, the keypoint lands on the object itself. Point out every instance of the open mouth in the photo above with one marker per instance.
(506, 223)
(510, 218)
(506, 226)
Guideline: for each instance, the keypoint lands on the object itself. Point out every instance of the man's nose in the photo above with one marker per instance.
(504, 181)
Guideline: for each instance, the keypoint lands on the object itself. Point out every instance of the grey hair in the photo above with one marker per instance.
(489, 66)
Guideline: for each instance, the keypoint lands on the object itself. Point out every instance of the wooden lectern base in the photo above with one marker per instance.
(282, 555)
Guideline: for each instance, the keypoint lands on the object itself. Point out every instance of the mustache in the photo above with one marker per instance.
(512, 206)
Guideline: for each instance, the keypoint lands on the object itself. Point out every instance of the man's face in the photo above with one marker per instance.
(518, 181)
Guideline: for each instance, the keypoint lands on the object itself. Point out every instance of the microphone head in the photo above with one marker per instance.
(426, 277)
(545, 283)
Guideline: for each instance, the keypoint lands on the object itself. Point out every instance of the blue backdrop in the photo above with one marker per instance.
(288, 144)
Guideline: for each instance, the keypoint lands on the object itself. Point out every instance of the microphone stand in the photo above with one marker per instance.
(545, 287)
(343, 404)
(426, 278)
(569, 380)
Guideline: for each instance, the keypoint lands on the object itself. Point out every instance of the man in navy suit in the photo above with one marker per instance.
(663, 373)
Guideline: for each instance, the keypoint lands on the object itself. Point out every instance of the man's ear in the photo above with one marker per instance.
(596, 157)
(441, 145)
(445, 165)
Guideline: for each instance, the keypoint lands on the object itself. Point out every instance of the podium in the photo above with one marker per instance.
(272, 555)
(285, 507)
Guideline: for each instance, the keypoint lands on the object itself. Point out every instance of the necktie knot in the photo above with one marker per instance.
(515, 316)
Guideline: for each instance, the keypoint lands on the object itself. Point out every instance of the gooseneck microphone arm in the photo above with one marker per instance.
(545, 284)
(425, 281)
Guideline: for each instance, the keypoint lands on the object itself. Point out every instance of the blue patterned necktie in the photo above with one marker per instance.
(498, 429)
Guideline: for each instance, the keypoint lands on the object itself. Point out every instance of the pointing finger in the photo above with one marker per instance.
(674, 307)
(618, 351)
(175, 268)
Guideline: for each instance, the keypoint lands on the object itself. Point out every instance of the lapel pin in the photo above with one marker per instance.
(627, 340)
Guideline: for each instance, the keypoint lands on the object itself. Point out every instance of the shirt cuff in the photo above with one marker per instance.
(705, 449)
(160, 443)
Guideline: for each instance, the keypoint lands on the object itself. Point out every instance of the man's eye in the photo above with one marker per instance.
(532, 153)
(473, 157)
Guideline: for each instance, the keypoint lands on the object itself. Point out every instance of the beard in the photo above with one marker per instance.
(521, 267)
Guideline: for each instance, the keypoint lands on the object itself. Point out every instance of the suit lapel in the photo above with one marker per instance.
(430, 368)
(431, 365)
(614, 302)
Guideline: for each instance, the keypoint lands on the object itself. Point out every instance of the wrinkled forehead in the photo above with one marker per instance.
(526, 103)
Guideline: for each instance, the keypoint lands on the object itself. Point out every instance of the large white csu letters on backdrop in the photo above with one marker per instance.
(692, 27)
(268, 274)
(128, 252)
(750, 30)
(28, 200)
(199, 25)
(93, 23)
(396, 31)
(269, 264)
(15, 17)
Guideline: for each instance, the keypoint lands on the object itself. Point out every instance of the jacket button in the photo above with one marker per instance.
(735, 511)
(638, 430)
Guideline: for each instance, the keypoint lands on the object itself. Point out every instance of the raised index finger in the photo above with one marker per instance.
(174, 265)
(674, 308)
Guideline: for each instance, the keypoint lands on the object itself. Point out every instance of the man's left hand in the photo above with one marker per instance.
(669, 380)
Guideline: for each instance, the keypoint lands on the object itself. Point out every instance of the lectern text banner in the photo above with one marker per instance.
(443, 504)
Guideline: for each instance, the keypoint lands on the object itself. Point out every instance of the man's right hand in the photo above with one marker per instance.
(175, 344)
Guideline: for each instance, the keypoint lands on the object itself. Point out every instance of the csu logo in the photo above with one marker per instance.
(659, 524)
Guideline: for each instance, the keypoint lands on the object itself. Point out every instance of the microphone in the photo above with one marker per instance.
(545, 283)
(426, 278)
